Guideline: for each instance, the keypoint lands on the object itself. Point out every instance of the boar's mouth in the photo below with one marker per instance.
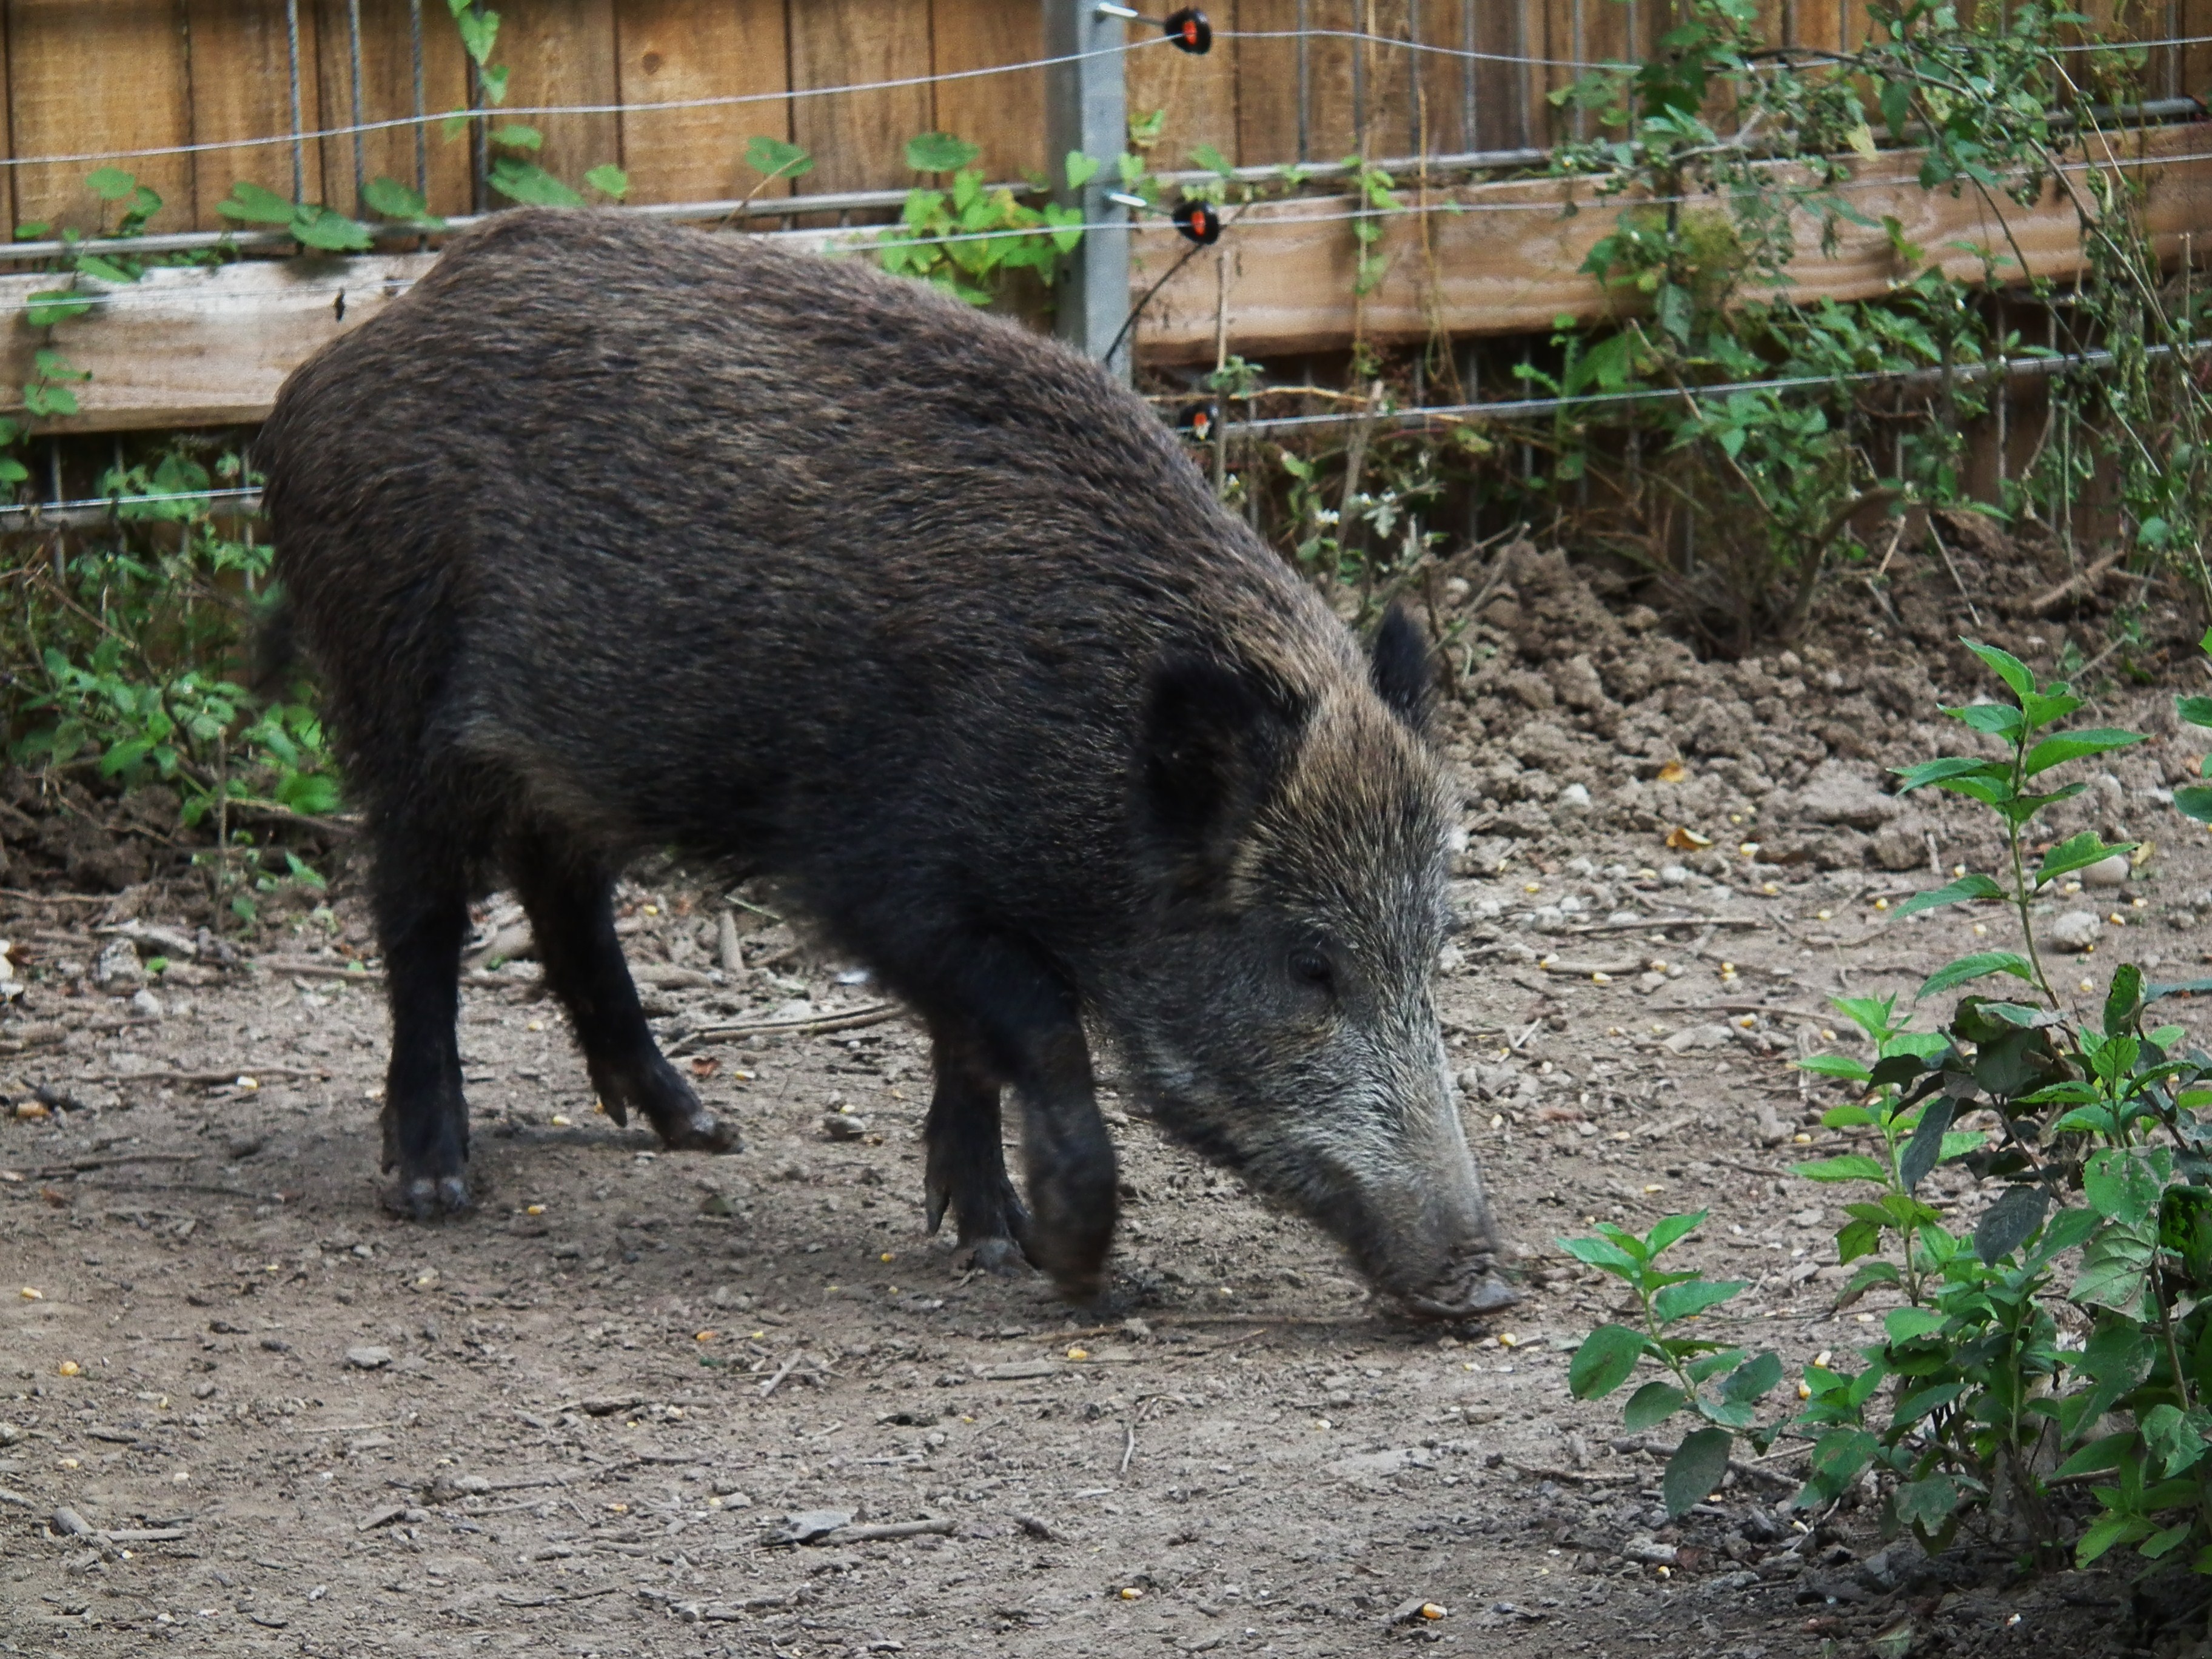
(1487, 1295)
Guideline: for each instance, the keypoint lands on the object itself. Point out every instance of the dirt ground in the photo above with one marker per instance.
(243, 1411)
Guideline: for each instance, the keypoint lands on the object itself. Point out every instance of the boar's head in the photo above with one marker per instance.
(1281, 1018)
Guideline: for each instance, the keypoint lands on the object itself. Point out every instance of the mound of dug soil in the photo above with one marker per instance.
(1573, 716)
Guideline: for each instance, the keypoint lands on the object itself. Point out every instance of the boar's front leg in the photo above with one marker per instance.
(570, 897)
(1029, 1030)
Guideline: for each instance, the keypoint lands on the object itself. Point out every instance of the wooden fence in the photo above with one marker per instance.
(86, 80)
(1283, 83)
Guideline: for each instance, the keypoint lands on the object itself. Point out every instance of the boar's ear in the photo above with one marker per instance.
(1215, 739)
(1401, 668)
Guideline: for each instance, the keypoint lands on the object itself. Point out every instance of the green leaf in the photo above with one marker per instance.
(1681, 1300)
(2121, 1184)
(1850, 1166)
(494, 77)
(2123, 1001)
(1652, 1404)
(1696, 1468)
(2194, 800)
(1926, 1504)
(1605, 1359)
(530, 184)
(318, 227)
(1081, 168)
(479, 28)
(394, 200)
(1995, 720)
(111, 183)
(2106, 1531)
(2197, 711)
(2097, 1457)
(1840, 1066)
(1754, 1379)
(939, 152)
(255, 204)
(2076, 852)
(1958, 892)
(515, 136)
(776, 159)
(1980, 965)
(1950, 768)
(49, 306)
(1672, 1229)
(1599, 1253)
(1211, 160)
(2008, 668)
(1925, 1148)
(2063, 746)
(1909, 1324)
(609, 180)
(2010, 1222)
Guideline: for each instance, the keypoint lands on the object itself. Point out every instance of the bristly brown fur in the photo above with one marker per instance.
(610, 535)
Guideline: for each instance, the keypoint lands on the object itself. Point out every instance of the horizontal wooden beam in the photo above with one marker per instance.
(1509, 261)
(210, 346)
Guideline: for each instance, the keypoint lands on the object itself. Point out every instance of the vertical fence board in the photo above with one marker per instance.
(241, 88)
(676, 49)
(91, 76)
(1267, 73)
(562, 51)
(1004, 113)
(387, 93)
(857, 138)
(1198, 94)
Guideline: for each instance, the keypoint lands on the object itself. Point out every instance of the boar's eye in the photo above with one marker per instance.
(1312, 968)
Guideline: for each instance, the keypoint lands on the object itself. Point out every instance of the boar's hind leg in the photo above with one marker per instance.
(1031, 1034)
(570, 898)
(967, 1164)
(422, 914)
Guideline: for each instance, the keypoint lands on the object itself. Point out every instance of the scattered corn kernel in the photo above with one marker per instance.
(888, 1255)
(1827, 1035)
(533, 1209)
(1824, 915)
(249, 1083)
(2088, 984)
(1802, 1140)
(1822, 1359)
(536, 1025)
(651, 909)
(1601, 979)
(1881, 904)
(2071, 887)
(1132, 1593)
(1078, 1353)
(30, 1295)
(1804, 1390)
(1654, 1186)
(1958, 869)
(1532, 887)
(30, 1110)
(2116, 919)
(69, 1368)
(619, 1507)
(1980, 932)
(1770, 889)
(560, 1121)
(1431, 1610)
(1507, 1339)
(704, 1336)
(2139, 903)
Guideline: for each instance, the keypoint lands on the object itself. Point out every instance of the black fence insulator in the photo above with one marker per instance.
(1190, 31)
(1200, 221)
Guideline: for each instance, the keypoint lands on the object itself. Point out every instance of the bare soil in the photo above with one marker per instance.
(243, 1411)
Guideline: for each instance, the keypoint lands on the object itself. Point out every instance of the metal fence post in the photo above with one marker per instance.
(1085, 110)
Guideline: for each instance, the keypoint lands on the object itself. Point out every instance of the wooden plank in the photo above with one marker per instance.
(671, 50)
(201, 346)
(241, 88)
(1266, 84)
(1509, 264)
(562, 51)
(1004, 113)
(97, 76)
(387, 93)
(210, 347)
(858, 139)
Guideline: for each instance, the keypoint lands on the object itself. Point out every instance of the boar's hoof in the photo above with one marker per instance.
(425, 1198)
(1487, 1295)
(701, 1132)
(1002, 1256)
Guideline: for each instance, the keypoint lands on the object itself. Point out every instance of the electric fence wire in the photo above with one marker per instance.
(355, 129)
(164, 298)
(247, 497)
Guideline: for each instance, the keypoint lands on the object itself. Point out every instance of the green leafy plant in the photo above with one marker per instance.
(1972, 1401)
(1716, 1383)
(968, 237)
